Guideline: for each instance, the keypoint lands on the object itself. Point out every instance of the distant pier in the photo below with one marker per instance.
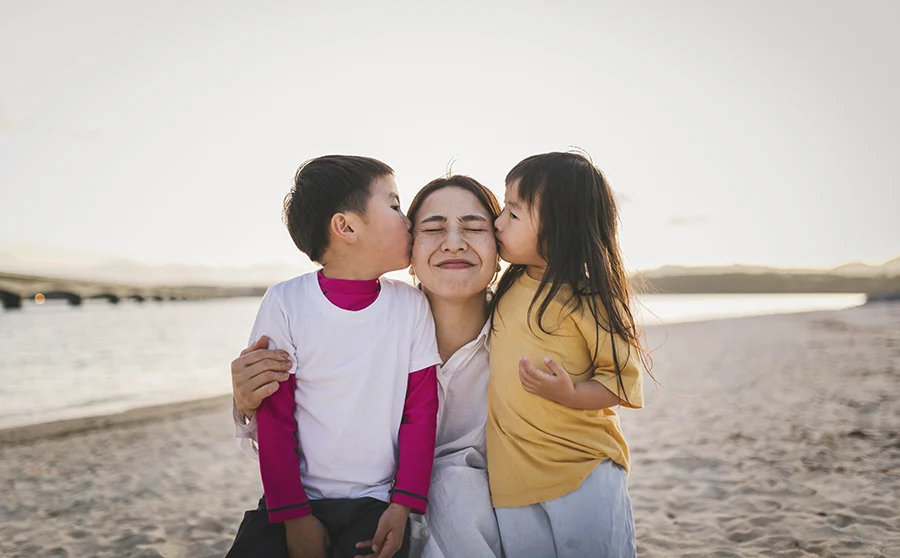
(16, 288)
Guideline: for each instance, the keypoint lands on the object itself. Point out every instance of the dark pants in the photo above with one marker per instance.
(347, 522)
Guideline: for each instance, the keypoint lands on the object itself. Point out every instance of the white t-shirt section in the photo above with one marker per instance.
(352, 370)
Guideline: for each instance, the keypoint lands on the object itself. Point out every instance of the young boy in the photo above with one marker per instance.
(346, 445)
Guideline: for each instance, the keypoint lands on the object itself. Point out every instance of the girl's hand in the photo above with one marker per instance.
(556, 386)
(255, 375)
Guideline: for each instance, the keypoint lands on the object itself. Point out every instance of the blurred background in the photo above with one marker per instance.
(145, 148)
(751, 145)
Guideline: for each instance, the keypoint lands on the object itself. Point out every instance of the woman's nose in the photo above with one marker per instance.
(454, 240)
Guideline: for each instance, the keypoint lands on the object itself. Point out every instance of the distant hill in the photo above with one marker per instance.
(46, 262)
(892, 267)
(852, 269)
(769, 283)
(847, 278)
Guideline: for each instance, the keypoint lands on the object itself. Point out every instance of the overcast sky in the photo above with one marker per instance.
(734, 132)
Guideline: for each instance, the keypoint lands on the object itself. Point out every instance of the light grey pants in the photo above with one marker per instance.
(460, 521)
(595, 520)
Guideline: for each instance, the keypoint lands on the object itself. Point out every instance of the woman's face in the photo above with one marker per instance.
(454, 251)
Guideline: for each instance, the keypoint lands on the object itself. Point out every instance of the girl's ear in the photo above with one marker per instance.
(344, 226)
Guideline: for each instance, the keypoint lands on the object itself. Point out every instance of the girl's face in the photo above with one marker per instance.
(517, 230)
(454, 251)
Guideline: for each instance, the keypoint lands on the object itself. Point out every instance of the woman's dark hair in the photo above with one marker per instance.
(578, 238)
(484, 196)
(322, 187)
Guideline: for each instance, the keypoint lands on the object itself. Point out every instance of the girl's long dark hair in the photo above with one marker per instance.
(578, 238)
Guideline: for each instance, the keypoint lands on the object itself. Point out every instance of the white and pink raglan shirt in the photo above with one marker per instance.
(357, 417)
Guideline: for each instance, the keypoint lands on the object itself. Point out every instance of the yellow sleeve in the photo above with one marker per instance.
(631, 389)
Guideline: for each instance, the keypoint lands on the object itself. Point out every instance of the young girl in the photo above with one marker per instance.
(564, 351)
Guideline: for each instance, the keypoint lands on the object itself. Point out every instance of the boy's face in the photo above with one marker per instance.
(386, 238)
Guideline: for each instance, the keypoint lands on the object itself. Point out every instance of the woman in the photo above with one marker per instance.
(454, 258)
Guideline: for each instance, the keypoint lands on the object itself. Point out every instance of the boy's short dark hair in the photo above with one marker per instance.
(322, 187)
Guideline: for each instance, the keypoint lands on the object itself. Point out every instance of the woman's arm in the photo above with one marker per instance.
(256, 374)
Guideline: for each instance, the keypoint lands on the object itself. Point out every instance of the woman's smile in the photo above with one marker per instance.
(457, 263)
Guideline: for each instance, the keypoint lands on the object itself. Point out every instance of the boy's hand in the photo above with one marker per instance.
(389, 534)
(556, 386)
(306, 537)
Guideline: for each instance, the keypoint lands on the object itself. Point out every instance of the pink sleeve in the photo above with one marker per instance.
(417, 437)
(279, 455)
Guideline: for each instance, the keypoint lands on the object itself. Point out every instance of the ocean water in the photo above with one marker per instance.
(59, 362)
(668, 309)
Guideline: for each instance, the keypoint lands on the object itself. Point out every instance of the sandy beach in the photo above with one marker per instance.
(773, 436)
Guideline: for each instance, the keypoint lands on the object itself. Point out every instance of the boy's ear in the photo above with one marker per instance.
(344, 226)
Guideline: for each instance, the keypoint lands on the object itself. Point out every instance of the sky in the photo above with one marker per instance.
(762, 133)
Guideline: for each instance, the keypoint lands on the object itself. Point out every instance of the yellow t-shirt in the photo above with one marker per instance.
(539, 450)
